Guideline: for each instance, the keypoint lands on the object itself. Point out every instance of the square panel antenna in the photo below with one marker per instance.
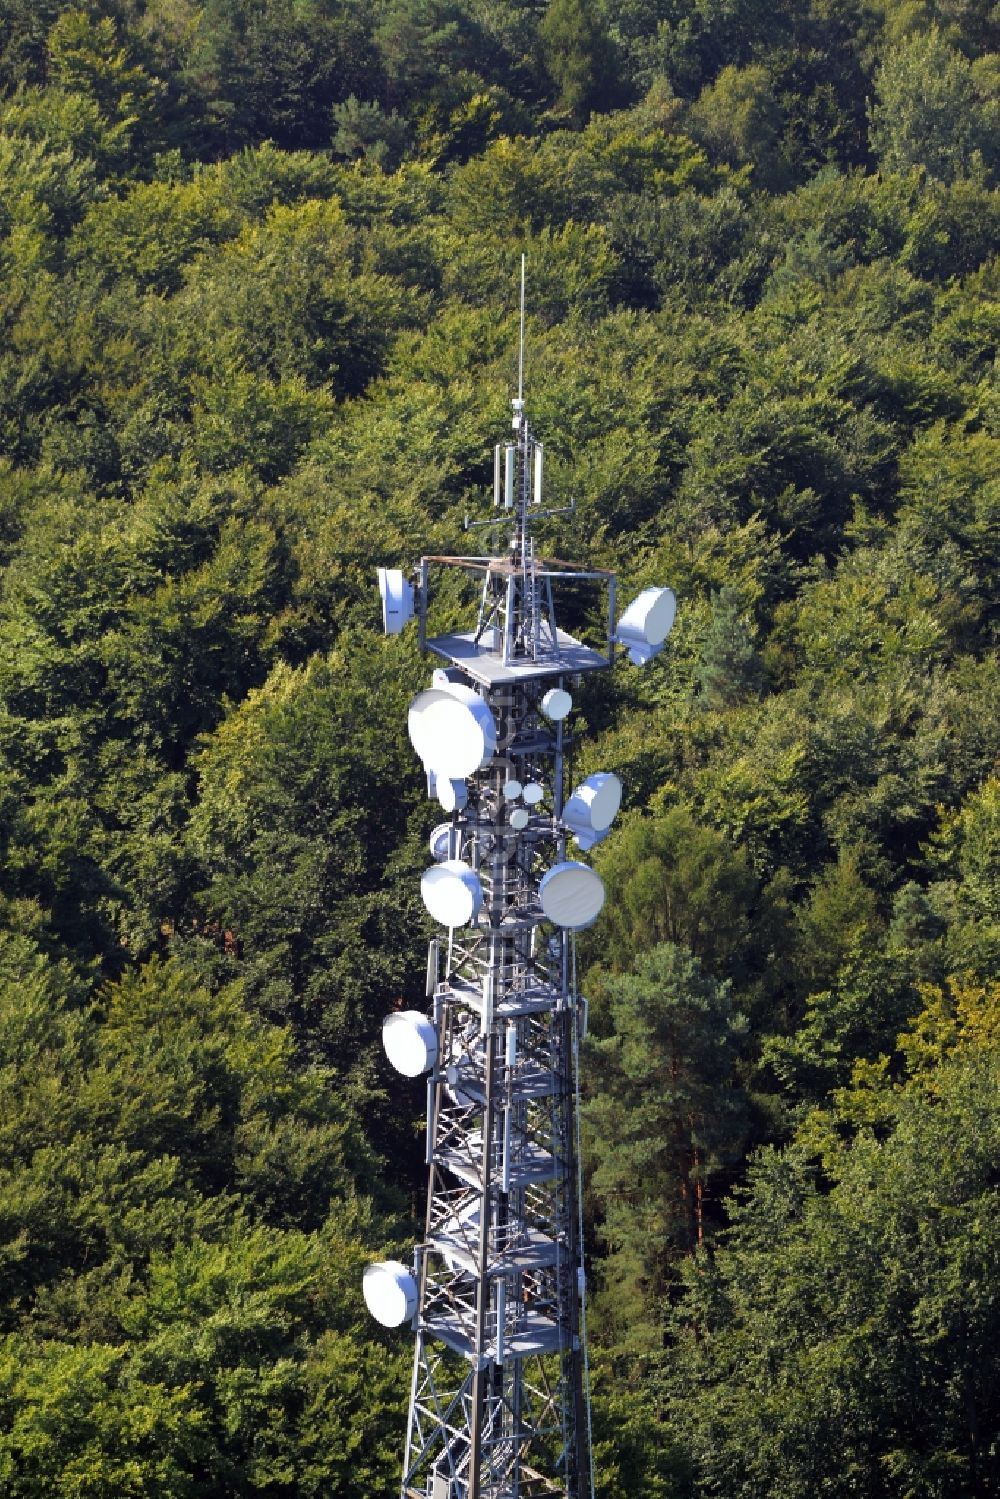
(397, 599)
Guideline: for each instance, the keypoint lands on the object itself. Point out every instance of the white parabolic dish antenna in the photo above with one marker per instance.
(556, 703)
(390, 1292)
(410, 1042)
(572, 895)
(452, 731)
(441, 842)
(452, 795)
(647, 622)
(452, 893)
(594, 804)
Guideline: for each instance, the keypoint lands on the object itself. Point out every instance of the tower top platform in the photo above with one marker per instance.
(485, 666)
(517, 640)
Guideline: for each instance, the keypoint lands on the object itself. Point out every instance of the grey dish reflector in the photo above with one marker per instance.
(571, 895)
(556, 704)
(452, 795)
(442, 841)
(593, 807)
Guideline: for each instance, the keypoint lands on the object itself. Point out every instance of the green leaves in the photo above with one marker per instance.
(304, 792)
(86, 58)
(85, 1426)
(931, 111)
(179, 1245)
(237, 371)
(847, 1337)
(578, 55)
(673, 881)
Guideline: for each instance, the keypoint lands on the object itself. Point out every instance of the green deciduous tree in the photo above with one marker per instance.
(86, 57)
(303, 791)
(362, 129)
(930, 111)
(846, 1336)
(965, 854)
(737, 116)
(421, 41)
(578, 55)
(287, 298)
(179, 1246)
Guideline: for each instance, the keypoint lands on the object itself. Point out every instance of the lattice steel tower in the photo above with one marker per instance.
(499, 1406)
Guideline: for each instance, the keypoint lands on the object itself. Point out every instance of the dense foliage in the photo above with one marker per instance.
(257, 271)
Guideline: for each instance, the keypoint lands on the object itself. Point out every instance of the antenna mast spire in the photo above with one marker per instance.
(520, 363)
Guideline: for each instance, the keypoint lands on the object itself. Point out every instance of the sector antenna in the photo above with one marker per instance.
(495, 1295)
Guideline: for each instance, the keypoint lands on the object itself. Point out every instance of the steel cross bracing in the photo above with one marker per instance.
(496, 1407)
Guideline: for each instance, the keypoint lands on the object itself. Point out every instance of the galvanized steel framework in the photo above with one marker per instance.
(499, 1406)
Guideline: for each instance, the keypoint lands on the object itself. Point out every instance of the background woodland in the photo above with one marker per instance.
(258, 264)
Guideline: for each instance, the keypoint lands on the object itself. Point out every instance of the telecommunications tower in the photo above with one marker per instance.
(499, 1403)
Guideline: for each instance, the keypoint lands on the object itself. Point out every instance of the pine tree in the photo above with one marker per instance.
(729, 670)
(666, 1114)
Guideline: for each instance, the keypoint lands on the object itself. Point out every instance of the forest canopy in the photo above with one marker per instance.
(257, 333)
